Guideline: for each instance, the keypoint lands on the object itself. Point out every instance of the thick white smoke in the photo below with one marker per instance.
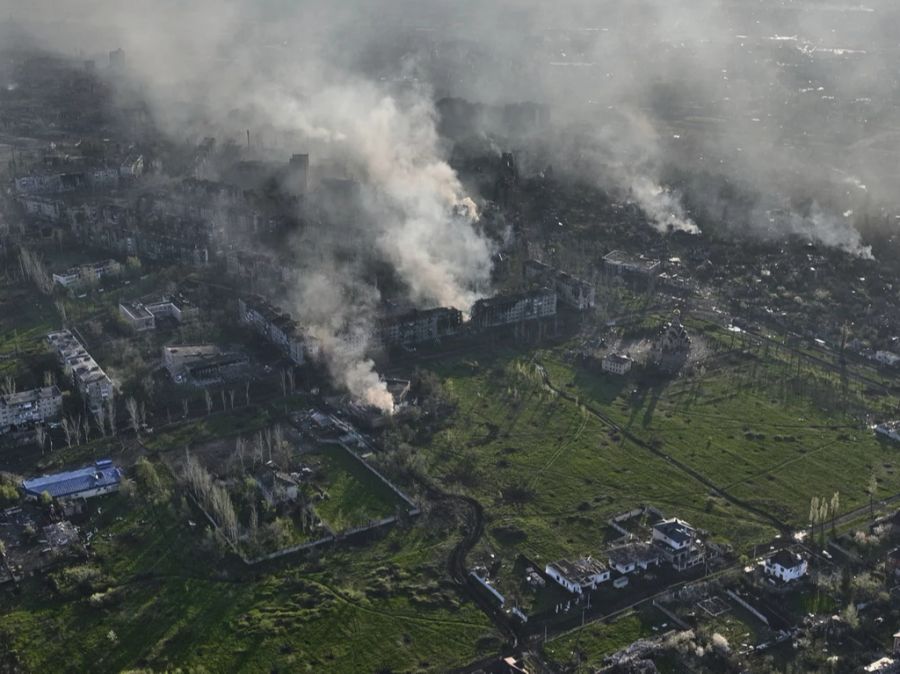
(662, 206)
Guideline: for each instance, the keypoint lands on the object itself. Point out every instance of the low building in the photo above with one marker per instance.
(87, 274)
(889, 430)
(633, 557)
(516, 308)
(101, 478)
(617, 363)
(578, 576)
(138, 317)
(203, 363)
(29, 407)
(571, 291)
(142, 317)
(786, 566)
(619, 262)
(278, 487)
(678, 543)
(88, 377)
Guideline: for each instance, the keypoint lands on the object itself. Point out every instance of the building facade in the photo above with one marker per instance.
(29, 407)
(88, 378)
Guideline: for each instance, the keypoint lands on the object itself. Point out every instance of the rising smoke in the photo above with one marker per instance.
(789, 106)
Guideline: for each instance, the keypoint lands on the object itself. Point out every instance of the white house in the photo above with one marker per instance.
(678, 543)
(785, 565)
(578, 576)
(617, 363)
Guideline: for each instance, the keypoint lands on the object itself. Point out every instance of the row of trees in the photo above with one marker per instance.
(212, 497)
(33, 268)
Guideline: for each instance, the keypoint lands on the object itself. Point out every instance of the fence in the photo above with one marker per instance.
(740, 600)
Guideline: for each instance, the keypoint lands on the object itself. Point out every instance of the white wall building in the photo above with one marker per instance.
(617, 363)
(578, 576)
(785, 565)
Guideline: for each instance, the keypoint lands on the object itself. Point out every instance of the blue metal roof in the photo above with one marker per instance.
(71, 483)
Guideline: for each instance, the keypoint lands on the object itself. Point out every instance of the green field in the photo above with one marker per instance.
(549, 473)
(355, 495)
(168, 599)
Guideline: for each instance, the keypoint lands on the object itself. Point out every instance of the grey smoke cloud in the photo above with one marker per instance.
(216, 68)
(790, 105)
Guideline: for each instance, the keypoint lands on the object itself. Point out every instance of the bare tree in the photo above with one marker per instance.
(49, 378)
(208, 398)
(835, 506)
(239, 448)
(100, 418)
(231, 397)
(111, 414)
(184, 407)
(40, 437)
(281, 453)
(224, 404)
(83, 427)
(69, 430)
(290, 375)
(134, 414)
(258, 447)
(247, 392)
(61, 308)
(8, 386)
(268, 439)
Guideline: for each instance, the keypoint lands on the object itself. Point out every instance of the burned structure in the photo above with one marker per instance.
(570, 291)
(29, 407)
(277, 327)
(419, 326)
(88, 378)
(514, 309)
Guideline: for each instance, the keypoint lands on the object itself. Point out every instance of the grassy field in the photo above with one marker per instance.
(355, 495)
(549, 473)
(165, 598)
(737, 424)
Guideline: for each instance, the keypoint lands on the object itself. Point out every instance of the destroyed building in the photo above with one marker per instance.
(571, 291)
(202, 364)
(671, 347)
(88, 377)
(420, 326)
(87, 274)
(29, 407)
(515, 308)
(277, 327)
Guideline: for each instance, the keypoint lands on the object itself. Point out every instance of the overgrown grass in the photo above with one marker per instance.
(355, 495)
